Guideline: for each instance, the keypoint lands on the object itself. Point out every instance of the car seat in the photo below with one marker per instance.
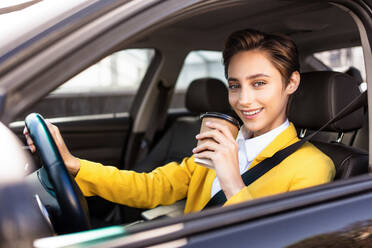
(361, 137)
(202, 95)
(320, 96)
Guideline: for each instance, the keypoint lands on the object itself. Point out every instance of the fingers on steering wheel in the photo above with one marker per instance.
(51, 127)
(54, 130)
(30, 142)
(55, 133)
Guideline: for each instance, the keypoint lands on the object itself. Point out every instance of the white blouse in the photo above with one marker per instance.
(249, 148)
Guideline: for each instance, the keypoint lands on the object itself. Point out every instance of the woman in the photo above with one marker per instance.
(262, 72)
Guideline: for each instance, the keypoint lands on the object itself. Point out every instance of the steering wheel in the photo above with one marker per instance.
(71, 201)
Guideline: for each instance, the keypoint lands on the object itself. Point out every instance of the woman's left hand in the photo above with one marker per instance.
(223, 151)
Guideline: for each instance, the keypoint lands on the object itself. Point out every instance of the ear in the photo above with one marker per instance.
(294, 82)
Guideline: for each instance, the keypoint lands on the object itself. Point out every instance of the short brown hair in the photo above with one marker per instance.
(280, 49)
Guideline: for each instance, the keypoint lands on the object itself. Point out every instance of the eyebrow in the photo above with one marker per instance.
(249, 77)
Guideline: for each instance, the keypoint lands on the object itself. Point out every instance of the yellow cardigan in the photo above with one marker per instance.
(167, 184)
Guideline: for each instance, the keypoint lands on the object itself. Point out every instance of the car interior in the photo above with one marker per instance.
(151, 130)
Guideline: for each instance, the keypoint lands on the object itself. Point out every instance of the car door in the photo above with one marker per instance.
(93, 112)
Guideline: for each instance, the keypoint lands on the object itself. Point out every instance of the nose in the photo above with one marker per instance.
(246, 96)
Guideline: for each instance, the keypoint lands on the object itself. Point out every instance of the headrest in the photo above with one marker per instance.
(207, 95)
(320, 96)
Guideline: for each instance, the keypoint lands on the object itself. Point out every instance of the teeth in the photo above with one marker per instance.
(251, 112)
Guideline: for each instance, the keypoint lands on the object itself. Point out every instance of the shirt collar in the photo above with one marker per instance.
(245, 134)
(254, 146)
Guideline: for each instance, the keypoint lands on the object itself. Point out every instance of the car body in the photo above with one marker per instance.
(41, 56)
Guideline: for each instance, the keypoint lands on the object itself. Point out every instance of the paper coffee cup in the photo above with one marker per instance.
(224, 119)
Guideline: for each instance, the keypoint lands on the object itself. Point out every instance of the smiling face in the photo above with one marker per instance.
(257, 92)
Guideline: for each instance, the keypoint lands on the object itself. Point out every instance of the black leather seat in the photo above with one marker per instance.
(203, 95)
(320, 97)
(360, 139)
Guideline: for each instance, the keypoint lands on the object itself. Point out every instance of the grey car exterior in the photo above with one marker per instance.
(334, 215)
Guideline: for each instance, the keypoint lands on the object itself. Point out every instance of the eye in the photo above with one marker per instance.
(258, 83)
(234, 86)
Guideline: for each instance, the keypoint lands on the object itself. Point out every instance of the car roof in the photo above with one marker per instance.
(206, 28)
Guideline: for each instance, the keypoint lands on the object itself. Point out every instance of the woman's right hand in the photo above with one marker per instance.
(72, 163)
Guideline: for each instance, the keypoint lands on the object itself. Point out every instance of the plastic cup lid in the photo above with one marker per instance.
(221, 116)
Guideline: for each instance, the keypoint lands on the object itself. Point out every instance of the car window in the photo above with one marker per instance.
(121, 71)
(108, 86)
(198, 64)
(343, 59)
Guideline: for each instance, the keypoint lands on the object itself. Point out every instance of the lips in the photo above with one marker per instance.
(252, 113)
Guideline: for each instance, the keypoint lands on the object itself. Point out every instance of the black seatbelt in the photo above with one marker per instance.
(260, 169)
